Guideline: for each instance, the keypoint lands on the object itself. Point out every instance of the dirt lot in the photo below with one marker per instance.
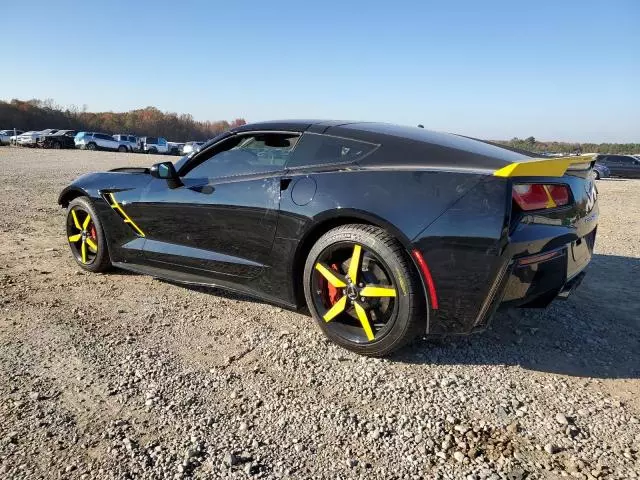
(123, 376)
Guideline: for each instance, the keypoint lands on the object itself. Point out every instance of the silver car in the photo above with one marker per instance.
(5, 135)
(98, 141)
(130, 141)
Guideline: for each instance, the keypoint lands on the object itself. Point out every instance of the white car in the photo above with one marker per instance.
(29, 138)
(99, 141)
(7, 135)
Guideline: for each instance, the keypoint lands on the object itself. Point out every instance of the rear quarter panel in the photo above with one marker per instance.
(402, 202)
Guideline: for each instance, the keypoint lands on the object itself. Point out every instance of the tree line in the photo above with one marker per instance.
(533, 145)
(40, 114)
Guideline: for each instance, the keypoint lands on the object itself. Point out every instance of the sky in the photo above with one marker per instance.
(558, 70)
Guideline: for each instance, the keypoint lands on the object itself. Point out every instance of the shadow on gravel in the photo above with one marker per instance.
(595, 333)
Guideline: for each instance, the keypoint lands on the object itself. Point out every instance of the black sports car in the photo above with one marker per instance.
(383, 231)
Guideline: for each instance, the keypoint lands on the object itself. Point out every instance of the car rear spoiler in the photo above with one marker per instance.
(547, 167)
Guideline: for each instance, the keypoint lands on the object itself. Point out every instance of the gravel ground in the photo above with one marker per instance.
(122, 376)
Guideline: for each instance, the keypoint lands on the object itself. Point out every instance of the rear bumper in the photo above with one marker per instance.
(536, 280)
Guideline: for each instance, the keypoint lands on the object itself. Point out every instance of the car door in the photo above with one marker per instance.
(221, 221)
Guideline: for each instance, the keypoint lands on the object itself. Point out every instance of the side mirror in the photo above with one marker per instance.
(166, 171)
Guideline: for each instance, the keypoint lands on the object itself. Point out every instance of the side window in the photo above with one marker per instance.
(243, 155)
(315, 149)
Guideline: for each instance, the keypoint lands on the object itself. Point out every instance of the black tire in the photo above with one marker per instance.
(152, 151)
(406, 316)
(92, 146)
(123, 149)
(98, 261)
(56, 146)
(597, 175)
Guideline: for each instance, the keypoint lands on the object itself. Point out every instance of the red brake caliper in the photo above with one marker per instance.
(92, 232)
(333, 294)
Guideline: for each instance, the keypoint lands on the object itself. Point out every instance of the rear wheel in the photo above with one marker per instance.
(86, 237)
(56, 145)
(122, 148)
(91, 146)
(152, 151)
(362, 290)
(597, 174)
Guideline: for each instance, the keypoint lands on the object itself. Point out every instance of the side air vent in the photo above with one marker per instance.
(113, 203)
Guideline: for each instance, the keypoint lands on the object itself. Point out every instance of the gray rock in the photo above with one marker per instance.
(550, 448)
(561, 419)
(231, 459)
(459, 456)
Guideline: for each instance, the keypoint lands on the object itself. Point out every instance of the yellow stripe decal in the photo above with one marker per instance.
(116, 206)
(541, 167)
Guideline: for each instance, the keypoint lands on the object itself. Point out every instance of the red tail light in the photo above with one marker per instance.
(536, 196)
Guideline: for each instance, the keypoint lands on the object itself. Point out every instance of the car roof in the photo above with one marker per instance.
(470, 152)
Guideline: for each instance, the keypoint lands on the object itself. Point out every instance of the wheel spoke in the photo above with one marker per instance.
(364, 320)
(354, 264)
(76, 223)
(75, 238)
(333, 277)
(92, 245)
(86, 221)
(337, 308)
(378, 291)
(83, 250)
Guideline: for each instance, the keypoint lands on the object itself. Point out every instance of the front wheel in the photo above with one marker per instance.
(57, 146)
(122, 149)
(597, 174)
(85, 236)
(91, 146)
(363, 291)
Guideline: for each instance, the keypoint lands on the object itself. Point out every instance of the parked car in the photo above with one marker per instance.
(620, 165)
(130, 141)
(28, 139)
(154, 145)
(98, 141)
(191, 147)
(174, 148)
(384, 232)
(601, 171)
(60, 139)
(5, 135)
